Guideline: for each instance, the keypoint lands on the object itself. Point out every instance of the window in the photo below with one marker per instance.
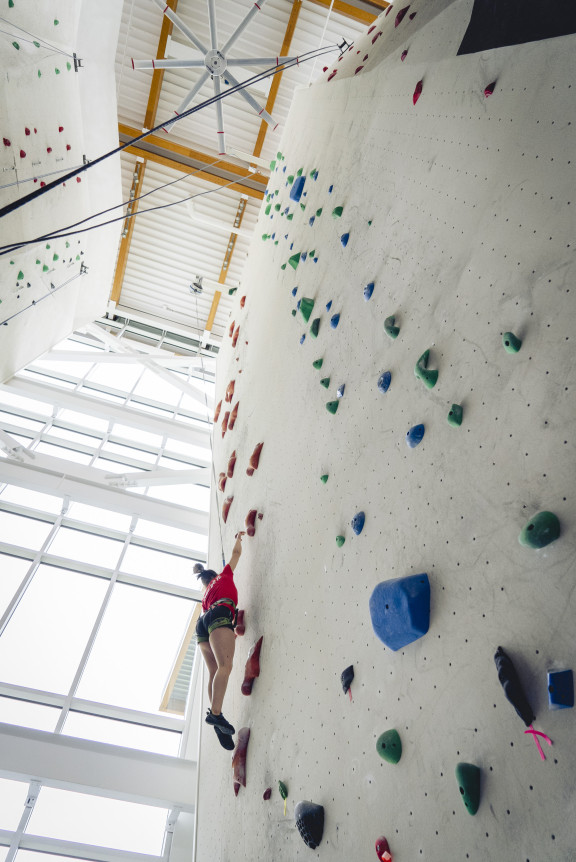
(86, 547)
(123, 733)
(12, 798)
(25, 532)
(159, 566)
(13, 572)
(26, 714)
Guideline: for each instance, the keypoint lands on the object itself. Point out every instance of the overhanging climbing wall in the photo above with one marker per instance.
(437, 207)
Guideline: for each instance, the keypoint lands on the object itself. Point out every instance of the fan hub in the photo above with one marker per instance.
(215, 62)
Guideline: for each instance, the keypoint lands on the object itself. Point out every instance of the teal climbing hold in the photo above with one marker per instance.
(294, 260)
(340, 541)
(315, 327)
(389, 327)
(455, 415)
(337, 212)
(541, 530)
(283, 266)
(468, 778)
(324, 478)
(389, 746)
(427, 375)
(16, 45)
(511, 342)
(272, 164)
(306, 306)
(332, 406)
(325, 382)
(318, 363)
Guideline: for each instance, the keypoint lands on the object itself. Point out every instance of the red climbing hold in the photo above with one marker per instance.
(489, 89)
(240, 624)
(364, 58)
(226, 508)
(377, 36)
(331, 75)
(236, 788)
(22, 154)
(239, 758)
(254, 459)
(242, 302)
(383, 850)
(417, 92)
(412, 15)
(267, 793)
(217, 411)
(373, 27)
(252, 669)
(42, 184)
(26, 130)
(233, 415)
(6, 142)
(388, 10)
(231, 330)
(230, 391)
(359, 69)
(235, 336)
(231, 464)
(60, 128)
(251, 522)
(221, 481)
(48, 149)
(404, 54)
(78, 179)
(225, 422)
(68, 147)
(324, 68)
(400, 15)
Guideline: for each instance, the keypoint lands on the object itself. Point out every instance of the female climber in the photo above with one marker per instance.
(216, 638)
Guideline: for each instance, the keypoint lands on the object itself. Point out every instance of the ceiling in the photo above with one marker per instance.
(162, 253)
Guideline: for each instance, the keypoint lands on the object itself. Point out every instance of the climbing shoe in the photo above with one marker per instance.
(224, 739)
(219, 721)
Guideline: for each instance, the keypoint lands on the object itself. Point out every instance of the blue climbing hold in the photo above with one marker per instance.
(344, 239)
(315, 260)
(340, 391)
(560, 689)
(368, 291)
(311, 220)
(274, 235)
(330, 190)
(415, 435)
(298, 304)
(400, 610)
(291, 246)
(384, 381)
(294, 291)
(304, 255)
(358, 522)
(334, 320)
(297, 189)
(328, 305)
(302, 338)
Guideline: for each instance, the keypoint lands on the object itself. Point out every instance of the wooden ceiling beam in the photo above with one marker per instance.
(158, 74)
(354, 12)
(124, 249)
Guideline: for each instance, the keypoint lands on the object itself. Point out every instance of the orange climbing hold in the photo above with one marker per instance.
(252, 669)
(231, 330)
(231, 464)
(233, 415)
(230, 391)
(235, 336)
(254, 459)
(242, 302)
(225, 422)
(221, 481)
(226, 508)
(217, 411)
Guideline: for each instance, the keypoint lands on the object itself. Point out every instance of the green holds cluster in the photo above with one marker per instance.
(511, 342)
(318, 363)
(389, 327)
(428, 376)
(325, 382)
(315, 328)
(468, 778)
(389, 746)
(332, 406)
(306, 307)
(541, 530)
(454, 417)
(337, 212)
(340, 541)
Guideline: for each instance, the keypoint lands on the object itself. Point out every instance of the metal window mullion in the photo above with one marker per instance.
(89, 852)
(27, 512)
(33, 791)
(93, 634)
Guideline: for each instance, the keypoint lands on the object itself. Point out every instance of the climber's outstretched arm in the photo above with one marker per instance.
(236, 551)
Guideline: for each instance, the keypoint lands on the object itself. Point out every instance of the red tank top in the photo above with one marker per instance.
(220, 587)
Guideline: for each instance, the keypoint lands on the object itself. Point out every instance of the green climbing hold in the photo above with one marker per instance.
(319, 212)
(55, 256)
(324, 478)
(277, 207)
(302, 206)
(306, 306)
(290, 179)
(511, 343)
(290, 216)
(36, 44)
(77, 257)
(325, 382)
(10, 4)
(38, 261)
(67, 244)
(272, 164)
(267, 212)
(312, 253)
(294, 260)
(427, 375)
(332, 406)
(16, 45)
(540, 530)
(47, 245)
(56, 22)
(232, 291)
(318, 363)
(279, 155)
(468, 778)
(315, 327)
(283, 266)
(57, 71)
(340, 541)
(455, 415)
(68, 65)
(20, 275)
(337, 212)
(299, 172)
(11, 263)
(45, 268)
(370, 223)
(389, 746)
(39, 73)
(293, 312)
(389, 328)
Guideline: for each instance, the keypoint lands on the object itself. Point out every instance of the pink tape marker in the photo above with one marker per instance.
(535, 734)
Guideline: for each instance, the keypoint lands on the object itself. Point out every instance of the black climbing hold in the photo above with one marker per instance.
(315, 327)
(384, 381)
(389, 327)
(368, 291)
(346, 678)
(358, 522)
(468, 778)
(389, 746)
(510, 682)
(511, 342)
(293, 312)
(415, 436)
(541, 530)
(310, 822)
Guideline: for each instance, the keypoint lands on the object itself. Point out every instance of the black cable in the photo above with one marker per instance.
(309, 55)
(35, 39)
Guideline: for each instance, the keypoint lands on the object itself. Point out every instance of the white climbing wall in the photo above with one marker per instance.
(471, 201)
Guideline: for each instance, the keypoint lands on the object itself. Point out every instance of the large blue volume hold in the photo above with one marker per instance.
(297, 188)
(400, 610)
(560, 689)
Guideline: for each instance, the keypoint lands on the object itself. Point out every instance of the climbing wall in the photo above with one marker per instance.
(56, 112)
(434, 233)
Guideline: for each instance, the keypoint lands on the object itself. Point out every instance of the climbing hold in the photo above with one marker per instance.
(225, 419)
(304, 255)
(428, 376)
(226, 508)
(233, 415)
(324, 478)
(400, 15)
(318, 363)
(330, 189)
(310, 822)
(235, 336)
(306, 306)
(468, 778)
(242, 301)
(455, 415)
(346, 678)
(254, 459)
(325, 382)
(20, 275)
(412, 15)
(400, 610)
(22, 154)
(302, 339)
(250, 522)
(511, 343)
(358, 522)
(417, 92)
(389, 327)
(252, 669)
(221, 481)
(283, 790)
(358, 69)
(328, 305)
(315, 327)
(294, 260)
(415, 436)
(240, 624)
(340, 390)
(331, 75)
(368, 291)
(231, 329)
(337, 212)
(277, 207)
(319, 211)
(297, 188)
(334, 320)
(560, 689)
(404, 54)
(489, 89)
(384, 381)
(311, 220)
(389, 746)
(267, 793)
(340, 541)
(332, 406)
(293, 312)
(541, 530)
(231, 464)
(382, 846)
(510, 682)
(344, 239)
(230, 391)
(239, 758)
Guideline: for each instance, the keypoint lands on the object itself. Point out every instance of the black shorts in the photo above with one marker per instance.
(216, 617)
